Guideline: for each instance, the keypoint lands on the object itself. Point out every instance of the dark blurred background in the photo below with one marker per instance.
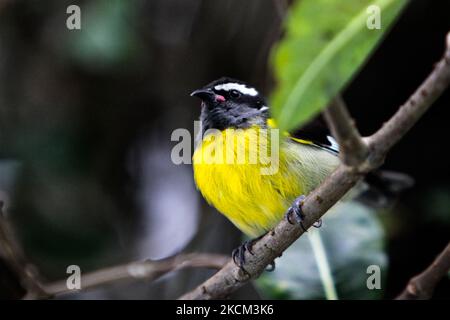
(86, 117)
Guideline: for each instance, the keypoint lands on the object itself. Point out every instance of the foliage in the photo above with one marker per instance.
(326, 43)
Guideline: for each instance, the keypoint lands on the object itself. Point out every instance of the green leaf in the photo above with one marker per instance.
(353, 239)
(326, 43)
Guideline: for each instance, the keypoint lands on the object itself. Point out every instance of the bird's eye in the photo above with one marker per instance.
(235, 94)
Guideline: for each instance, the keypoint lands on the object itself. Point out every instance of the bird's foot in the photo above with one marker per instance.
(297, 212)
(238, 254)
(271, 267)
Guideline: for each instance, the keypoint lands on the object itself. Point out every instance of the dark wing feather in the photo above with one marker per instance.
(384, 187)
(316, 132)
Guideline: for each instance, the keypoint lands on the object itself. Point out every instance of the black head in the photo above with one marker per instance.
(230, 103)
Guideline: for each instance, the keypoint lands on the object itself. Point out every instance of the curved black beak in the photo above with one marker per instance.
(204, 94)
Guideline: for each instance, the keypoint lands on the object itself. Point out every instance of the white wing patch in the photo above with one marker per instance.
(334, 144)
(242, 88)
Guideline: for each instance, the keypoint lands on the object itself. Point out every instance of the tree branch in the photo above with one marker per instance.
(422, 286)
(352, 149)
(143, 270)
(231, 278)
(12, 255)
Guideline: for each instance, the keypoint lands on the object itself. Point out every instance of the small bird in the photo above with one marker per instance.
(232, 110)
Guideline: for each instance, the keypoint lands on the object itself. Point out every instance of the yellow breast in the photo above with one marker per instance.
(230, 179)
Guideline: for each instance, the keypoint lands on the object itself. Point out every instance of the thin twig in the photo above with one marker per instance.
(230, 277)
(422, 286)
(142, 270)
(352, 149)
(12, 255)
(148, 270)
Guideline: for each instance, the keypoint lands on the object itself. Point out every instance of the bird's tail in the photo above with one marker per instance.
(383, 187)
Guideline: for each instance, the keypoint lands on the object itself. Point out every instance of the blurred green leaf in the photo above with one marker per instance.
(107, 37)
(353, 239)
(326, 42)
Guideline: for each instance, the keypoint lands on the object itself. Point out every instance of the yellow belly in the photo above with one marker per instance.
(253, 201)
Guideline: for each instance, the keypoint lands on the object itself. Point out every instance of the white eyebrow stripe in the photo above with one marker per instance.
(237, 86)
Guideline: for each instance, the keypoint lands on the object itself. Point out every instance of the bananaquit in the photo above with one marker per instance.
(232, 110)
